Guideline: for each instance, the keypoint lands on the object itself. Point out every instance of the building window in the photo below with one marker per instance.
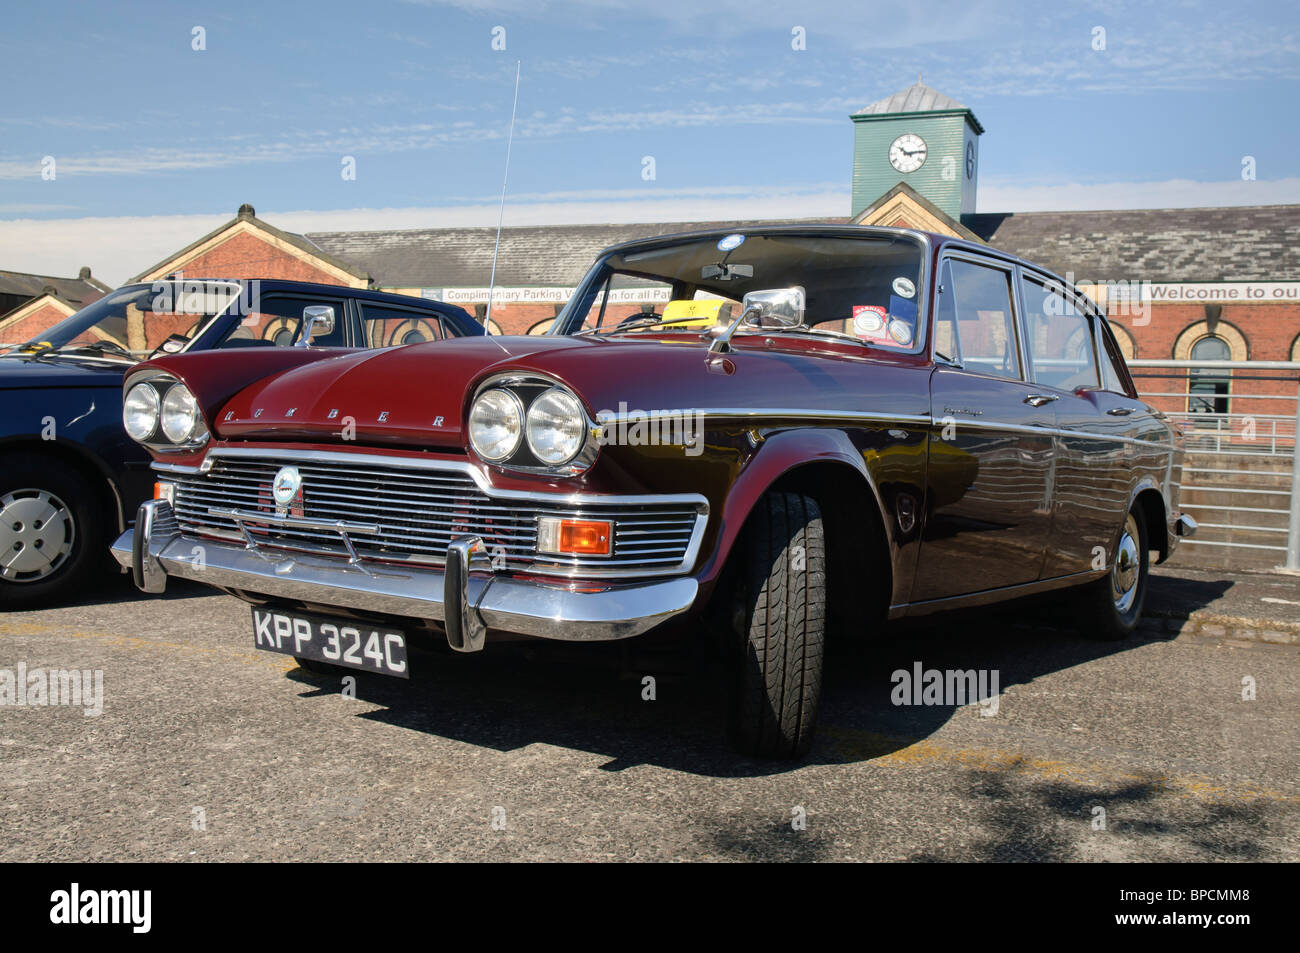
(1207, 388)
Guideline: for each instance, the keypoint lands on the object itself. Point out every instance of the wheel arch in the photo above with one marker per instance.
(824, 465)
(1151, 503)
(76, 456)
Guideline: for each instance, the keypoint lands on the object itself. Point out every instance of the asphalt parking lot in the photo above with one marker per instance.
(209, 750)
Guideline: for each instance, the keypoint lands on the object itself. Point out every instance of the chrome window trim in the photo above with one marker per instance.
(1072, 297)
(1009, 269)
(860, 232)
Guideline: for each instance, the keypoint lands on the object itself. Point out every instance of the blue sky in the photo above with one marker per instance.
(153, 140)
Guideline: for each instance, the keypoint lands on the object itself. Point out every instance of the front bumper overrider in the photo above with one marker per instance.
(467, 597)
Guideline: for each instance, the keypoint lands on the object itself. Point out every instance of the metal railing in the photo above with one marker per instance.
(1241, 478)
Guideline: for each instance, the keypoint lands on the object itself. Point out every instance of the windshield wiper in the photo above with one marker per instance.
(30, 350)
(98, 348)
(648, 321)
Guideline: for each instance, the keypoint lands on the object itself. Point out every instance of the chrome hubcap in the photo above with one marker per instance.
(36, 534)
(1126, 567)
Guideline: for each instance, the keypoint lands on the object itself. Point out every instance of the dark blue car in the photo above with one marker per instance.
(70, 478)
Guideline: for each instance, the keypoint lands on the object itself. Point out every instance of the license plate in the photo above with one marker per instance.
(342, 642)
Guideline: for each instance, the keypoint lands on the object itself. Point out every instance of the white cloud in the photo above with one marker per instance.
(1008, 196)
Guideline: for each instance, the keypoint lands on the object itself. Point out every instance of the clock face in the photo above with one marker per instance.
(907, 152)
(970, 160)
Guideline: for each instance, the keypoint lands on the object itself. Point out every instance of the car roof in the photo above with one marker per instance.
(814, 229)
(285, 284)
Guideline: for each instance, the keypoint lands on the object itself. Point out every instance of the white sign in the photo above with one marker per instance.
(541, 295)
(1245, 291)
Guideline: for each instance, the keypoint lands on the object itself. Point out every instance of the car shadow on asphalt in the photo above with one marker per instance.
(597, 698)
(118, 588)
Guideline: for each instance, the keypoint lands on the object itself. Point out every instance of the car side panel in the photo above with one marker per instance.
(989, 489)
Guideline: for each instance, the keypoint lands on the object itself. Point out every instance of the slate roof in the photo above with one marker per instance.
(77, 292)
(246, 213)
(1239, 243)
(541, 255)
(1242, 243)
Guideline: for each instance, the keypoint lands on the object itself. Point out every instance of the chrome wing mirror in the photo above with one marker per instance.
(316, 319)
(769, 308)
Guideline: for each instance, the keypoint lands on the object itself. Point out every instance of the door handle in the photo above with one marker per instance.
(1038, 400)
(1120, 411)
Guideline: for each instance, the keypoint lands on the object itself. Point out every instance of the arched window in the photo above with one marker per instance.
(1207, 388)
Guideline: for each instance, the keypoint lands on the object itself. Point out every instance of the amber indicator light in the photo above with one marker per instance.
(574, 537)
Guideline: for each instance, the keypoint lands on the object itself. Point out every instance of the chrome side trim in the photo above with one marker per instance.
(988, 596)
(1057, 432)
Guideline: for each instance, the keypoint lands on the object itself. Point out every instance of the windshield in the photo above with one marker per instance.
(864, 288)
(133, 322)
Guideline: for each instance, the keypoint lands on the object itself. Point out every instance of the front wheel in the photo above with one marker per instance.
(51, 532)
(1113, 604)
(781, 618)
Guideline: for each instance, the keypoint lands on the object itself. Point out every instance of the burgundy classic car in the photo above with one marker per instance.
(774, 435)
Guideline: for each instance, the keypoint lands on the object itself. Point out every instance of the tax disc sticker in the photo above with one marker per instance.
(731, 242)
(903, 287)
(900, 331)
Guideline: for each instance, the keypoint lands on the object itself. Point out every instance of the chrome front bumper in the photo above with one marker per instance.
(467, 598)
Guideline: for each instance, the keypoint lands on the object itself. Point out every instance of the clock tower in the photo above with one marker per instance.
(923, 138)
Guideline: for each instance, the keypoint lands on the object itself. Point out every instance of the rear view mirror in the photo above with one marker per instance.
(725, 272)
(317, 319)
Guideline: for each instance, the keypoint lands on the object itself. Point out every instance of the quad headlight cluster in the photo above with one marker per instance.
(530, 424)
(161, 412)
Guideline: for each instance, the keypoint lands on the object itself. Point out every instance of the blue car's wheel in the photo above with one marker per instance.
(51, 530)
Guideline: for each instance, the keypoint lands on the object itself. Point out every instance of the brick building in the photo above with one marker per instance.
(31, 303)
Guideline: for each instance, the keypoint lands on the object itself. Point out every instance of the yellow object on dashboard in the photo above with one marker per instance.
(702, 313)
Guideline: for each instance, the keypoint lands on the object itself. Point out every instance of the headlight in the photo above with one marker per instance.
(180, 414)
(140, 411)
(496, 422)
(556, 427)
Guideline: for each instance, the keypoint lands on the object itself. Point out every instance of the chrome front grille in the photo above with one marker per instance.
(417, 510)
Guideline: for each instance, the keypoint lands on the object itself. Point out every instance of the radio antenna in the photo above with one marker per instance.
(501, 212)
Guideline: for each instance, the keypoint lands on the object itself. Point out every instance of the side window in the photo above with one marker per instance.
(946, 345)
(276, 319)
(389, 327)
(1111, 378)
(985, 320)
(1060, 338)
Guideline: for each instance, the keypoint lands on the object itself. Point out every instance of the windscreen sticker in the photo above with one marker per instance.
(902, 320)
(869, 322)
(903, 287)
